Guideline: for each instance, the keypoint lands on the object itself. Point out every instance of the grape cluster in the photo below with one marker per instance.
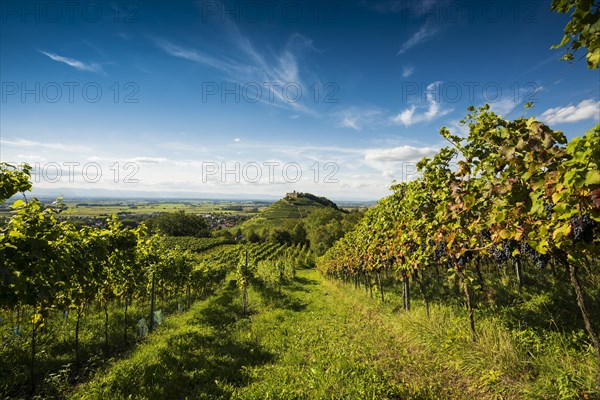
(508, 246)
(539, 259)
(440, 250)
(485, 236)
(549, 208)
(464, 258)
(499, 255)
(582, 229)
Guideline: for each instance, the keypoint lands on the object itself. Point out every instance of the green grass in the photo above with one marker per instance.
(194, 355)
(307, 342)
(55, 358)
(321, 340)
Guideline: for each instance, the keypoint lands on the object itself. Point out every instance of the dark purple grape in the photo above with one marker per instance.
(549, 208)
(508, 247)
(539, 259)
(582, 229)
(499, 255)
(440, 250)
(485, 235)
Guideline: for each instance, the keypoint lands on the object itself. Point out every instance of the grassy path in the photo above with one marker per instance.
(313, 341)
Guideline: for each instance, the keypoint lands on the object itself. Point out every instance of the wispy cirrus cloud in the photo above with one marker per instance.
(407, 71)
(195, 55)
(79, 65)
(52, 146)
(433, 110)
(504, 106)
(246, 64)
(400, 153)
(426, 32)
(415, 8)
(148, 160)
(586, 109)
(358, 118)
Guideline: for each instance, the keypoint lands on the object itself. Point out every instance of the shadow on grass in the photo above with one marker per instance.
(203, 358)
(305, 281)
(272, 297)
(222, 311)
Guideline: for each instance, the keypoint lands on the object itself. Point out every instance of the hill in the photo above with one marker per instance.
(296, 206)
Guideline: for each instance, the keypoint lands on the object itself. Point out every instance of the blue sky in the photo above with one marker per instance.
(226, 98)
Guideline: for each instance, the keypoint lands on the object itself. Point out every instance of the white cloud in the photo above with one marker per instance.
(400, 153)
(350, 122)
(148, 160)
(30, 157)
(357, 118)
(586, 109)
(509, 104)
(354, 167)
(53, 146)
(237, 140)
(410, 116)
(80, 65)
(192, 55)
(397, 162)
(406, 116)
(504, 106)
(407, 71)
(422, 35)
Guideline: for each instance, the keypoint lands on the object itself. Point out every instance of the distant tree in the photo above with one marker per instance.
(253, 237)
(223, 233)
(280, 235)
(179, 223)
(131, 223)
(582, 30)
(237, 235)
(351, 219)
(324, 227)
(299, 235)
(319, 199)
